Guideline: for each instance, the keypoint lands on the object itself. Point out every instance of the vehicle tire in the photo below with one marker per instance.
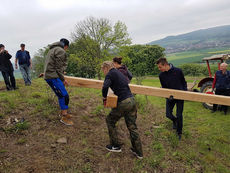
(207, 87)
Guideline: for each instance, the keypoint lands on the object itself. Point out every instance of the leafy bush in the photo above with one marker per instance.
(194, 69)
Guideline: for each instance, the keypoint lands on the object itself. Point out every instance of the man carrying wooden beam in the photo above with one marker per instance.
(172, 78)
(126, 107)
(56, 63)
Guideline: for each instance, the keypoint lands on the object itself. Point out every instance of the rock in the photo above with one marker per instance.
(62, 140)
(8, 121)
(53, 145)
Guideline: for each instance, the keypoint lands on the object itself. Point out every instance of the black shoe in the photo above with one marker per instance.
(9, 89)
(225, 113)
(174, 124)
(135, 153)
(213, 111)
(15, 88)
(113, 148)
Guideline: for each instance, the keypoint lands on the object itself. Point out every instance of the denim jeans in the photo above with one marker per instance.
(179, 110)
(25, 71)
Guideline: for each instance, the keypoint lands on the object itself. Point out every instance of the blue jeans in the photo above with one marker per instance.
(60, 91)
(25, 71)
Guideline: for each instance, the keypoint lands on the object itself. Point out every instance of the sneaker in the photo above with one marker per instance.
(68, 116)
(113, 148)
(66, 121)
(135, 153)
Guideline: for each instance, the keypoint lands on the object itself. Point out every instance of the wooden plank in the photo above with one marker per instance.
(83, 82)
(154, 91)
(111, 101)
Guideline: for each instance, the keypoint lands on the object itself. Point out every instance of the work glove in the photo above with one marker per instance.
(104, 101)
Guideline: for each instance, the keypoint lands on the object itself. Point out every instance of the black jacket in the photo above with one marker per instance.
(5, 64)
(118, 83)
(124, 70)
(173, 79)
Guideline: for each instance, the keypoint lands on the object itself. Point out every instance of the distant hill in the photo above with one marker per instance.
(216, 37)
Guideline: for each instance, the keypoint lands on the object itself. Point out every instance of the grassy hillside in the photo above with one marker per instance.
(215, 37)
(30, 146)
(195, 56)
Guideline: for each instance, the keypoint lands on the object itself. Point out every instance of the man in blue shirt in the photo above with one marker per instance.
(25, 64)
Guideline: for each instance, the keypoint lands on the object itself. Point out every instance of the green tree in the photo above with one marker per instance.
(141, 59)
(97, 39)
(38, 61)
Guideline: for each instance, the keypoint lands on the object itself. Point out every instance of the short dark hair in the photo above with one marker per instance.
(65, 42)
(1, 45)
(22, 45)
(117, 60)
(162, 61)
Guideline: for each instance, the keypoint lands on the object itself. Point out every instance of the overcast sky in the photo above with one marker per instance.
(38, 23)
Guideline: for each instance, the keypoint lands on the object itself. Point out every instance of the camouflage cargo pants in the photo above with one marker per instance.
(126, 109)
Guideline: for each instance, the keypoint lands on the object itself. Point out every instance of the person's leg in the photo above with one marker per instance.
(179, 113)
(63, 98)
(24, 74)
(217, 92)
(111, 121)
(130, 116)
(6, 80)
(12, 79)
(169, 109)
(27, 69)
(225, 108)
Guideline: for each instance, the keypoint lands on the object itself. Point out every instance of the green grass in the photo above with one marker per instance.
(205, 144)
(194, 56)
(206, 138)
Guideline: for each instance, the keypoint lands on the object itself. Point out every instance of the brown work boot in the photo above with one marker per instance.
(69, 116)
(66, 121)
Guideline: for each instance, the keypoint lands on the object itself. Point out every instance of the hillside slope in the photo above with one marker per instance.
(31, 146)
(215, 37)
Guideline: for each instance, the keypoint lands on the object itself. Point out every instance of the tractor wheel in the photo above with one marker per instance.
(207, 87)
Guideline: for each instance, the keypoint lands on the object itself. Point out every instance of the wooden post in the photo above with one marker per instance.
(111, 101)
(154, 91)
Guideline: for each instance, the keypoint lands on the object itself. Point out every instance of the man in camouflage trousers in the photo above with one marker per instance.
(126, 107)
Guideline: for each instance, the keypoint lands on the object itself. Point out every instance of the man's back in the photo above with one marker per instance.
(56, 62)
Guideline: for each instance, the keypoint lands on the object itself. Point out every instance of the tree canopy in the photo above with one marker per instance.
(97, 39)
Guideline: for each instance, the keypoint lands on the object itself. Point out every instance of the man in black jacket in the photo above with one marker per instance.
(6, 68)
(172, 78)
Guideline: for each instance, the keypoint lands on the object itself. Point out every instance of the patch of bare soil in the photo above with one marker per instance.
(36, 149)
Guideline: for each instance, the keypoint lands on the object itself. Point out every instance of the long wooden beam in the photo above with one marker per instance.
(154, 91)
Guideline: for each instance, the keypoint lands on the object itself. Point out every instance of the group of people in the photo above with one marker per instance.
(22, 58)
(117, 77)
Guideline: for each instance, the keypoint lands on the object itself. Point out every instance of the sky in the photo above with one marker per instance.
(38, 23)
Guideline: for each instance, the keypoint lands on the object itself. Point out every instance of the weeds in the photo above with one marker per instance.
(16, 128)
